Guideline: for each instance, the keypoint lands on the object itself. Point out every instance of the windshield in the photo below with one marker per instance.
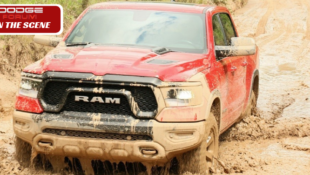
(182, 32)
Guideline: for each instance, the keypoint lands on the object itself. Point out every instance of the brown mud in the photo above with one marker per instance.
(275, 142)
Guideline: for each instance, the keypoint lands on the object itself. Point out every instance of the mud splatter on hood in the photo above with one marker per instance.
(102, 60)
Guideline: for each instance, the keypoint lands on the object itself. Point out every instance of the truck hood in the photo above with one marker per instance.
(102, 60)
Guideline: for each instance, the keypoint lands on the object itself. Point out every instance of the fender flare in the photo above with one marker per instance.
(213, 95)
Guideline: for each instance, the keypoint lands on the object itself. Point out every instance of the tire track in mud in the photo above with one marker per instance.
(263, 21)
(307, 3)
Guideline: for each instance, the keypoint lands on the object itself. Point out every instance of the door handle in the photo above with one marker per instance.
(244, 63)
(233, 69)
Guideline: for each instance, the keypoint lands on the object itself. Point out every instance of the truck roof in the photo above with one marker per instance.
(160, 6)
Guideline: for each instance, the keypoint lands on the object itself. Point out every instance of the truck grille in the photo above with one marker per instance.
(106, 108)
(97, 135)
(54, 91)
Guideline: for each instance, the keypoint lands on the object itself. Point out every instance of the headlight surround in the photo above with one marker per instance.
(29, 87)
(182, 96)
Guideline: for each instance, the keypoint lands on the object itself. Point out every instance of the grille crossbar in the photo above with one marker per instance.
(97, 135)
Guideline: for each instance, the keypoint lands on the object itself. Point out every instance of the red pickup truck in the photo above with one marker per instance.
(138, 82)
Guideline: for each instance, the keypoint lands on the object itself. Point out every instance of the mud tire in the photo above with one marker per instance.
(22, 152)
(201, 160)
(251, 108)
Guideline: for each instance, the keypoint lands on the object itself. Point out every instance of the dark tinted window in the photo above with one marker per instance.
(228, 27)
(219, 38)
(184, 32)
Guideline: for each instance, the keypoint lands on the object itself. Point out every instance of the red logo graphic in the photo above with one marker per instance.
(31, 19)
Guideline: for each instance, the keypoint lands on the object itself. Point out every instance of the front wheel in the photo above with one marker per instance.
(22, 152)
(202, 160)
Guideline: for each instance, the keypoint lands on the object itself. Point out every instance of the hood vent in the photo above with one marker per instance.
(62, 56)
(161, 61)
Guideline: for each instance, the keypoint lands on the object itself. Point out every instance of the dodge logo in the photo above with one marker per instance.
(98, 99)
(21, 10)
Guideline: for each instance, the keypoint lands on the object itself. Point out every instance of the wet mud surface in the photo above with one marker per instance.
(277, 141)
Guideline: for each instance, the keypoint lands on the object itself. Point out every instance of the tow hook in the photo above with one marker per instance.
(45, 144)
(149, 151)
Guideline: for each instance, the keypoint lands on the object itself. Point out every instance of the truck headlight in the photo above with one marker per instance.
(182, 96)
(30, 87)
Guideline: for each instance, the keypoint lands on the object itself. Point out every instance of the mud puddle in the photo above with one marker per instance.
(277, 156)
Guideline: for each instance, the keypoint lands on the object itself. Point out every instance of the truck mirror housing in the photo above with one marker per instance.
(47, 40)
(240, 46)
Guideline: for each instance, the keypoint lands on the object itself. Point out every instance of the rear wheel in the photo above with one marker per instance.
(251, 108)
(22, 152)
(202, 160)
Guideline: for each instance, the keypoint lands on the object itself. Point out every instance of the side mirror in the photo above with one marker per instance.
(47, 40)
(240, 46)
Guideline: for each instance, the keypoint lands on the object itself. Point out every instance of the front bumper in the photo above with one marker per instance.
(168, 139)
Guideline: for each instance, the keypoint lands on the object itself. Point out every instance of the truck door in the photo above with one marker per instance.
(235, 72)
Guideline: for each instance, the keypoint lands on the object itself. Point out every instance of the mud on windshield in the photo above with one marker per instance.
(180, 32)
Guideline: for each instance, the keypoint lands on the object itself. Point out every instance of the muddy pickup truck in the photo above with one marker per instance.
(137, 82)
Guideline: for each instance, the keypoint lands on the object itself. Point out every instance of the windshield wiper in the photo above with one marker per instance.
(79, 44)
(161, 50)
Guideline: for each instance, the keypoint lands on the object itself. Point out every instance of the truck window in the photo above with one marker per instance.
(181, 32)
(228, 27)
(218, 34)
